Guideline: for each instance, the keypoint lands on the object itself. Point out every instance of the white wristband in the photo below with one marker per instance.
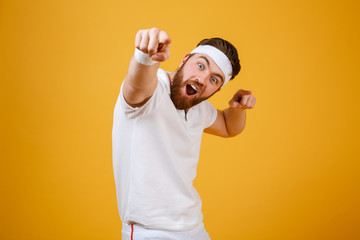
(143, 58)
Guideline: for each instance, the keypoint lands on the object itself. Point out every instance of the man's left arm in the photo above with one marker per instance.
(231, 121)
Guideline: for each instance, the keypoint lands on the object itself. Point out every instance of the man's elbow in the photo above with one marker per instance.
(231, 134)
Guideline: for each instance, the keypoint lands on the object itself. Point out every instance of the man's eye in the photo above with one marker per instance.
(214, 80)
(201, 66)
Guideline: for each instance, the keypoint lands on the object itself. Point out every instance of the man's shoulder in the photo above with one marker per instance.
(205, 106)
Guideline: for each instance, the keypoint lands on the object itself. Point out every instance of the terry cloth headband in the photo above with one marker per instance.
(219, 58)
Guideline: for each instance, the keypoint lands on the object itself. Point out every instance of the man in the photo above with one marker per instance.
(159, 119)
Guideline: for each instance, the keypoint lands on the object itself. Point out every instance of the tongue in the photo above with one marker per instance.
(190, 90)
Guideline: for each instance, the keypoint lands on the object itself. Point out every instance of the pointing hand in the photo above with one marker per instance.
(242, 99)
(154, 42)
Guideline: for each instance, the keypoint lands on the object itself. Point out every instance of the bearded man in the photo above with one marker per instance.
(159, 119)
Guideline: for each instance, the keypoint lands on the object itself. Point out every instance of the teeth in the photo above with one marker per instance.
(193, 86)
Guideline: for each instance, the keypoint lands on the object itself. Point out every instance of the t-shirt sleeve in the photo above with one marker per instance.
(210, 114)
(153, 102)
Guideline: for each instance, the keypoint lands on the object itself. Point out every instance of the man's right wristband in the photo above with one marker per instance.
(143, 58)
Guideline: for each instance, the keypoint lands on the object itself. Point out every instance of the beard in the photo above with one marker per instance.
(180, 101)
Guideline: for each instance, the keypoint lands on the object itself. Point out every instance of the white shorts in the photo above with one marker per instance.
(136, 232)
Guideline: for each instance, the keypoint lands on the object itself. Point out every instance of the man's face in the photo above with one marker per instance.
(197, 79)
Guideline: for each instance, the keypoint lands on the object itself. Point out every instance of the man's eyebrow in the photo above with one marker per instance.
(208, 63)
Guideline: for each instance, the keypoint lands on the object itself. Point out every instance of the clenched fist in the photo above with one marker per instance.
(154, 42)
(242, 99)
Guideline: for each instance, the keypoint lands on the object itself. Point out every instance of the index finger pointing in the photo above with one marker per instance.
(164, 38)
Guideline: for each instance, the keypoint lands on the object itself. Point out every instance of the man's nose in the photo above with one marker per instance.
(202, 79)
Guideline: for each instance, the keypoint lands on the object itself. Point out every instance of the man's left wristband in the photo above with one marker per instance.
(143, 58)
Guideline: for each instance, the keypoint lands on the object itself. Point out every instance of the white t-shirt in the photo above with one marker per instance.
(155, 156)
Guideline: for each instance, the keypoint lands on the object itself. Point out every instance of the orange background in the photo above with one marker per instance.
(292, 174)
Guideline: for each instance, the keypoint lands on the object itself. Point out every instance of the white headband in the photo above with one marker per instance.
(219, 58)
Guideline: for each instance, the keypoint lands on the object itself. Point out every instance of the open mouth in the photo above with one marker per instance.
(191, 89)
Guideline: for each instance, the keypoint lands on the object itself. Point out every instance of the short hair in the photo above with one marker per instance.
(228, 49)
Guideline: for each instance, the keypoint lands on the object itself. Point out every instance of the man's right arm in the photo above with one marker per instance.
(141, 80)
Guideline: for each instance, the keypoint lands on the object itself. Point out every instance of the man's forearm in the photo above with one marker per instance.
(235, 119)
(151, 47)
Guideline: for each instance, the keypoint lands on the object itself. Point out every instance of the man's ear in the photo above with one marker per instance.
(184, 59)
